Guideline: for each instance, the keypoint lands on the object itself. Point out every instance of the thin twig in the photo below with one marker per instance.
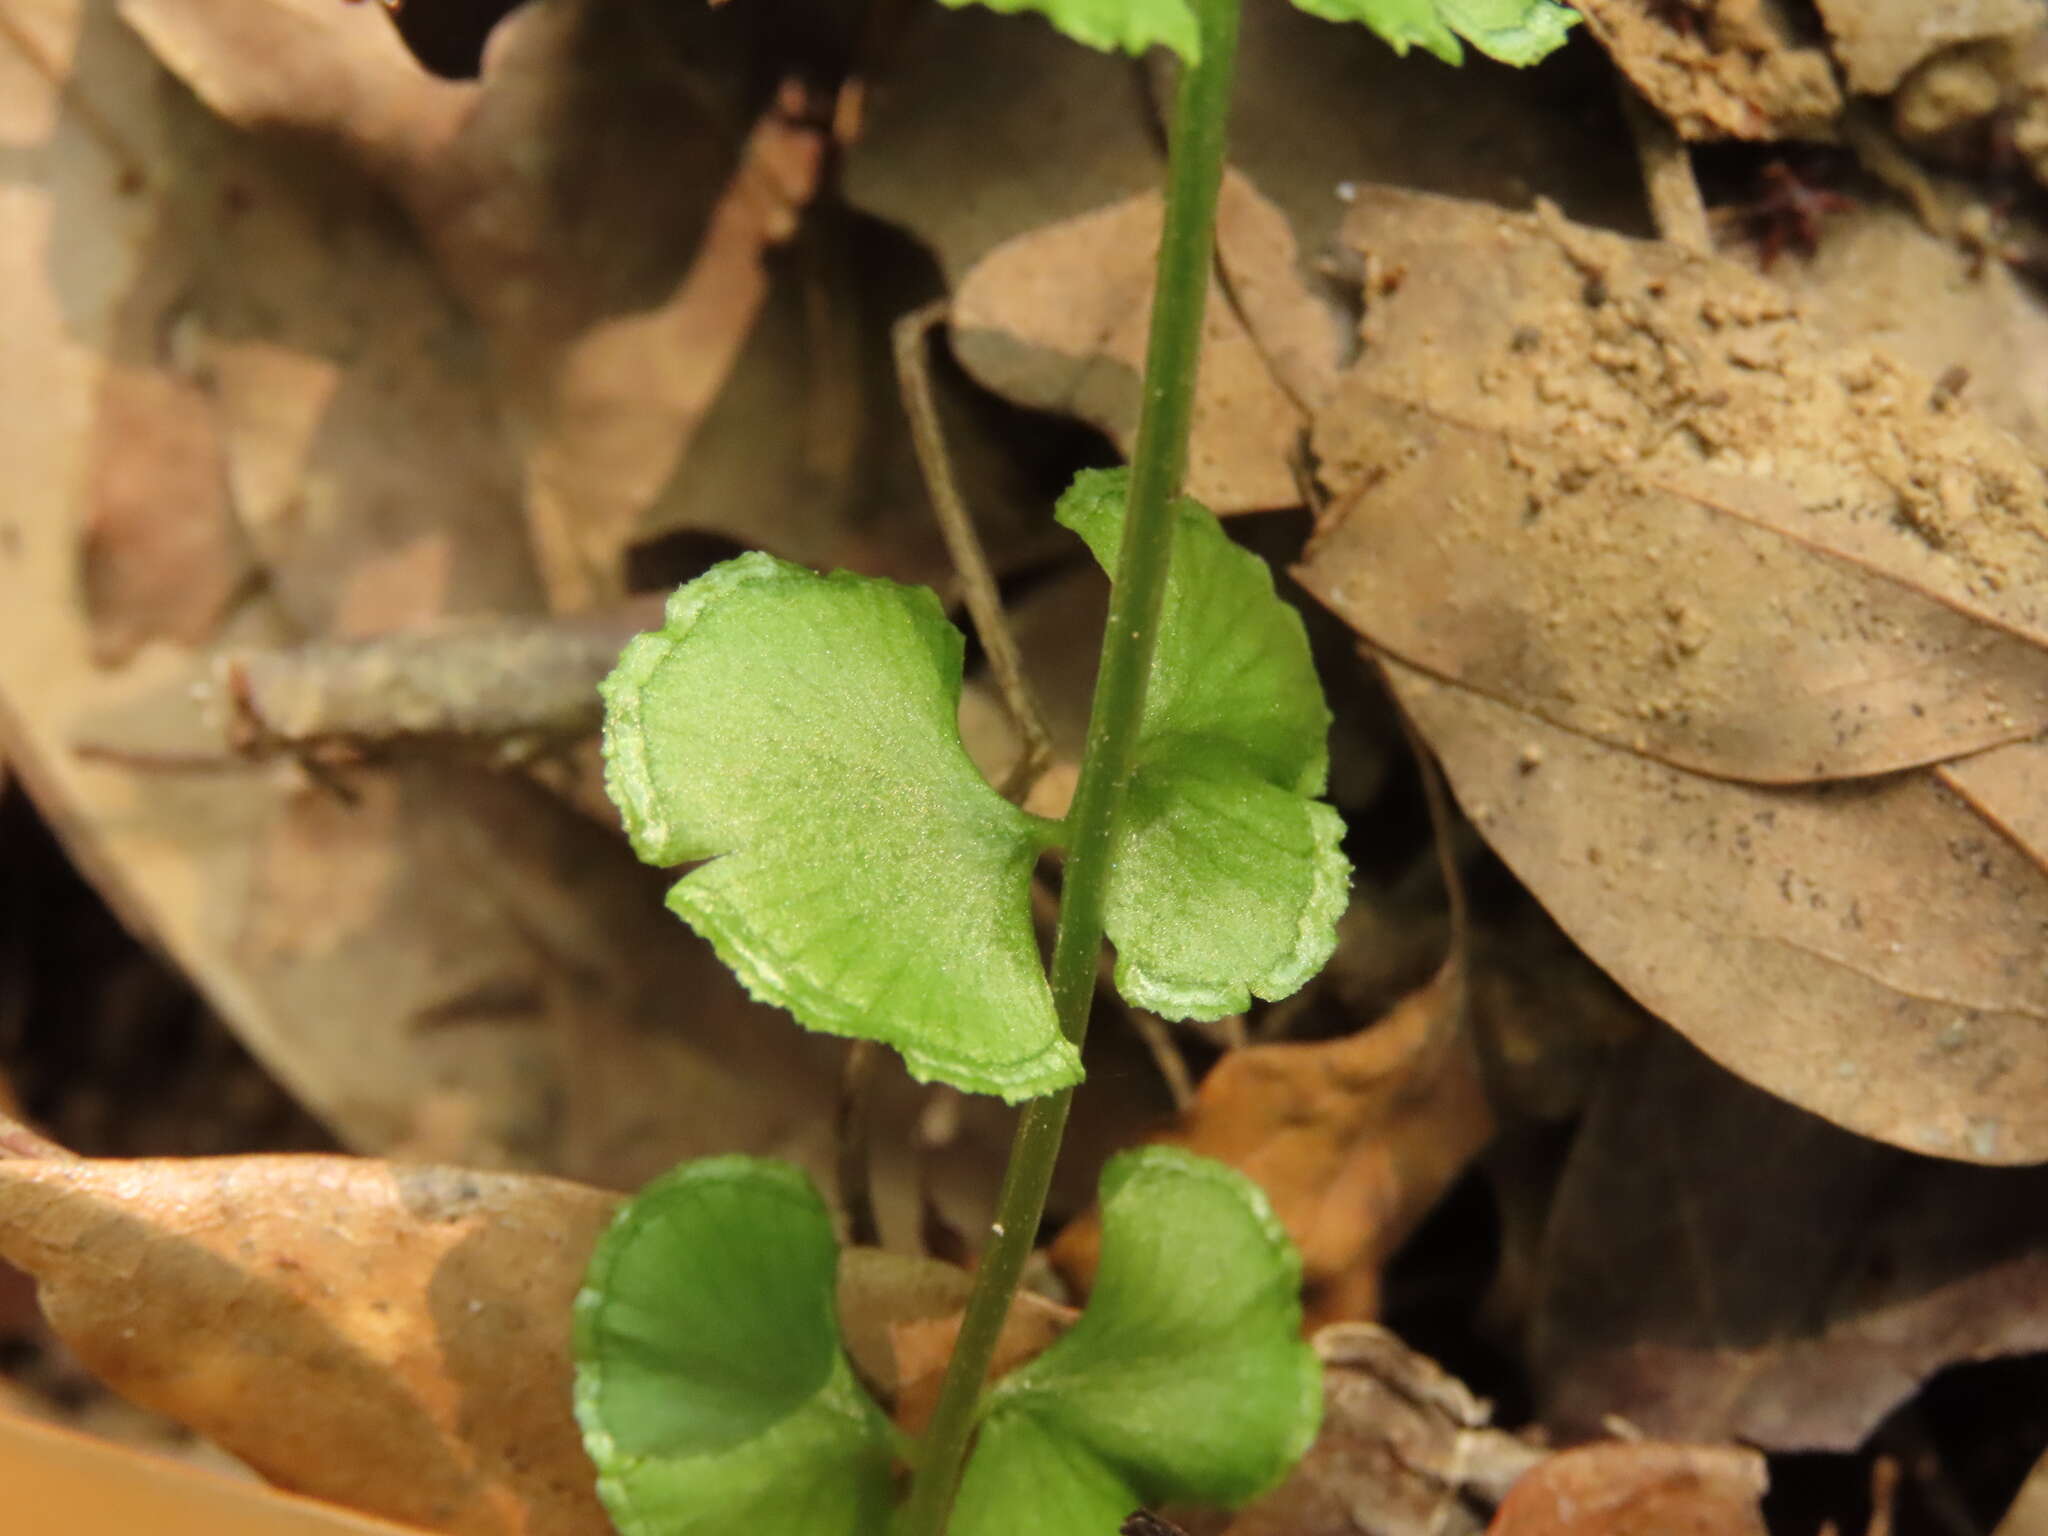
(977, 582)
(855, 1127)
(1877, 151)
(1166, 1056)
(1676, 207)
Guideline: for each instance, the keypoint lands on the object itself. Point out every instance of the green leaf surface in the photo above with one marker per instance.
(1518, 32)
(1229, 879)
(710, 1384)
(1027, 1480)
(801, 732)
(1186, 1377)
(1131, 26)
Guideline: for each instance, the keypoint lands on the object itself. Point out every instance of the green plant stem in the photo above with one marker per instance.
(1158, 465)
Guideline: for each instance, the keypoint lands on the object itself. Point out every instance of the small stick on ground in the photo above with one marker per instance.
(1676, 207)
(977, 582)
(1880, 156)
(1450, 1021)
(1166, 1056)
(855, 1136)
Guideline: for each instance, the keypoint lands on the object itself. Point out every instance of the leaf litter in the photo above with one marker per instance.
(1696, 593)
(1771, 842)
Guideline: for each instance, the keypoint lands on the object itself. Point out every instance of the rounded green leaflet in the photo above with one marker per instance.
(710, 1384)
(1229, 873)
(1185, 1379)
(1520, 32)
(801, 733)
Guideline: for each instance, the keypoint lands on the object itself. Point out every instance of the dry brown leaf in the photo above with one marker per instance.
(446, 961)
(606, 236)
(391, 1337)
(923, 1346)
(1405, 1449)
(1720, 1265)
(977, 131)
(1722, 68)
(1353, 1140)
(1879, 275)
(1880, 41)
(1628, 535)
(1056, 319)
(1639, 1488)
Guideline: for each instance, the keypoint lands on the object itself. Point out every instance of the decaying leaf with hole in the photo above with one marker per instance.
(1719, 1265)
(1703, 619)
(1353, 1140)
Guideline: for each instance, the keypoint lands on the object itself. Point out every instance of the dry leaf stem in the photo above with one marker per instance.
(956, 524)
(1158, 466)
(1676, 207)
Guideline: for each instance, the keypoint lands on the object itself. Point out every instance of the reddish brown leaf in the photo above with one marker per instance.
(1638, 1488)
(1353, 1140)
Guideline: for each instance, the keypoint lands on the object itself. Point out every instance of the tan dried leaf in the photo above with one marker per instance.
(429, 956)
(1056, 319)
(84, 1486)
(1681, 597)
